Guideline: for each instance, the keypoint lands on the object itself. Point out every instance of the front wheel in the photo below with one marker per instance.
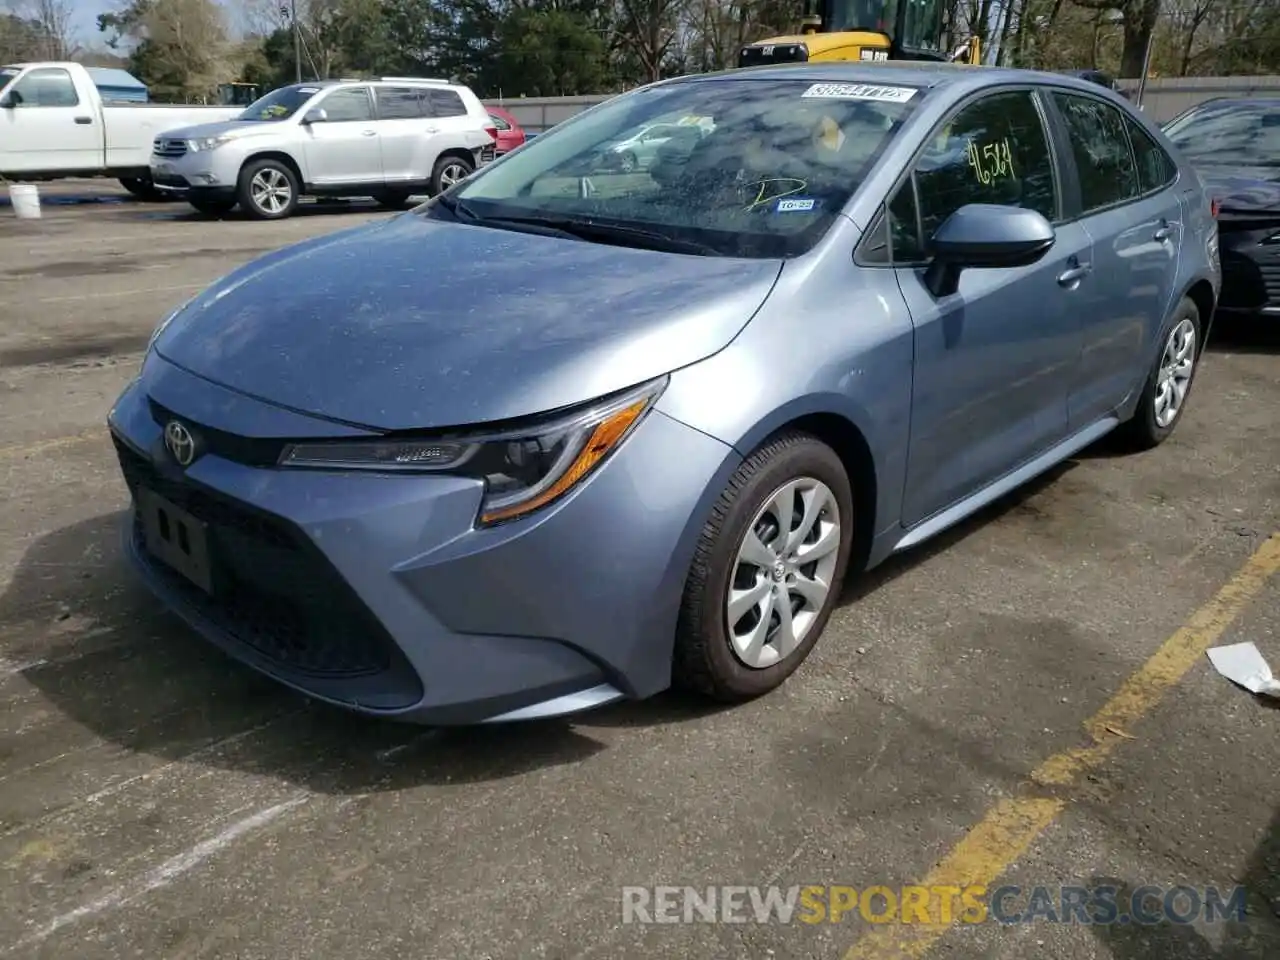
(267, 190)
(448, 171)
(767, 570)
(1164, 396)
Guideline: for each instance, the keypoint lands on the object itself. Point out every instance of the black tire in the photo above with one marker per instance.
(704, 659)
(211, 208)
(274, 172)
(1141, 431)
(392, 199)
(448, 168)
(144, 189)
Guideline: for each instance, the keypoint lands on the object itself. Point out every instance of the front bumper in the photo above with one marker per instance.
(200, 173)
(377, 593)
(1251, 271)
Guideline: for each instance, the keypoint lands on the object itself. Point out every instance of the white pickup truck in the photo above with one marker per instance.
(54, 123)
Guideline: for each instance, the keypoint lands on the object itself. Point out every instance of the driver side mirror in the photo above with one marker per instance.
(314, 115)
(985, 236)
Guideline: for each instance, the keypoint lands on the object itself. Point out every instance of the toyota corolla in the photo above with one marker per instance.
(565, 435)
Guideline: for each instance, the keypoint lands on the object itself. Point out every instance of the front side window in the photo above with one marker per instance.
(349, 105)
(759, 168)
(992, 151)
(44, 88)
(1104, 162)
(1237, 134)
(278, 104)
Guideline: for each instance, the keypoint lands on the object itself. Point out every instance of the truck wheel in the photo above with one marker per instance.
(143, 188)
(448, 171)
(267, 190)
(211, 208)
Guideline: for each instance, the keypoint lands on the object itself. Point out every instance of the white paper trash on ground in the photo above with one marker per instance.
(1242, 663)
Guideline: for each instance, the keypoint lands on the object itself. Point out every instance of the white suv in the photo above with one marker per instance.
(389, 139)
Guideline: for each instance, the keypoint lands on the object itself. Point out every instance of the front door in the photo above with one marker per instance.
(994, 361)
(1136, 222)
(343, 148)
(48, 126)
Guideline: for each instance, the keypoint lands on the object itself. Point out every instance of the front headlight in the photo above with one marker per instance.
(523, 469)
(206, 143)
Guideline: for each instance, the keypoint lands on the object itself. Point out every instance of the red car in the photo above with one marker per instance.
(510, 135)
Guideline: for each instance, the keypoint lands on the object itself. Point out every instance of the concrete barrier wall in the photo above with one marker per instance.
(1163, 99)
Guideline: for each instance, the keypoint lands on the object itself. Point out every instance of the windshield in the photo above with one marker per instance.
(7, 74)
(749, 168)
(278, 104)
(1229, 134)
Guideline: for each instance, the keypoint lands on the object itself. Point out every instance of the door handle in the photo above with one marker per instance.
(1163, 234)
(368, 133)
(431, 130)
(1069, 276)
(84, 120)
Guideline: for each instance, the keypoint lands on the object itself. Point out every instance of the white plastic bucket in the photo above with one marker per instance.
(26, 200)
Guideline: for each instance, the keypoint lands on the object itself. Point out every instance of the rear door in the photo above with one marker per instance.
(344, 148)
(1135, 220)
(994, 361)
(49, 125)
(405, 130)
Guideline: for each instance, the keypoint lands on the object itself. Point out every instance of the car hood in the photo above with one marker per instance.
(1248, 190)
(413, 323)
(235, 128)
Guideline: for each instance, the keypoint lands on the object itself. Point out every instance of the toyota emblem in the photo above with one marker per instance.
(180, 443)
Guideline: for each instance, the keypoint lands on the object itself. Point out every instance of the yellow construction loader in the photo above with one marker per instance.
(867, 30)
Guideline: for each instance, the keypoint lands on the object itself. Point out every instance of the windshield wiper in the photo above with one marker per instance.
(583, 229)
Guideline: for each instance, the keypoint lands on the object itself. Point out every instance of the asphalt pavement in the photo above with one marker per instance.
(1024, 701)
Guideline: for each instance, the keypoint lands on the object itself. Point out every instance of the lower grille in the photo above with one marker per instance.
(275, 591)
(1271, 281)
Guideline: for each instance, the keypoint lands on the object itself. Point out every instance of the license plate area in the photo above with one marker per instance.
(177, 539)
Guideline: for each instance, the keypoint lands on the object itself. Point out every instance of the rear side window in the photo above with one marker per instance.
(446, 103)
(400, 103)
(993, 151)
(45, 88)
(498, 122)
(1104, 162)
(351, 104)
(1156, 168)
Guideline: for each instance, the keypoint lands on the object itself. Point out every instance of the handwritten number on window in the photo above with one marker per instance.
(991, 162)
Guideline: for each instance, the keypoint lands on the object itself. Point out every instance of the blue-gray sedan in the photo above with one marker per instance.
(567, 434)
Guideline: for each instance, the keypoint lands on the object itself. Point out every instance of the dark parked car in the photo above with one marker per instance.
(1235, 146)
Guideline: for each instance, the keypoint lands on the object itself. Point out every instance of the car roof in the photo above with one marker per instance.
(929, 75)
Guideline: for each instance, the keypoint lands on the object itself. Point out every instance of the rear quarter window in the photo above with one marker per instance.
(1156, 168)
(446, 103)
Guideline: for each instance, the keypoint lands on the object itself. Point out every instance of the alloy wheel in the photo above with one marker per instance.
(783, 571)
(1176, 367)
(451, 174)
(270, 190)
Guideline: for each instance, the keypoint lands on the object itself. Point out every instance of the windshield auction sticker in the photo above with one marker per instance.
(859, 91)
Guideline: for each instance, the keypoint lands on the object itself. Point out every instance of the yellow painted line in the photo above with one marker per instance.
(20, 450)
(1009, 828)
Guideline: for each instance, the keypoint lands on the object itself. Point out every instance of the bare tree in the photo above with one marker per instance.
(52, 21)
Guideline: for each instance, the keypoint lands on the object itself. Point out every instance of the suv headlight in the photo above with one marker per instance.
(206, 143)
(523, 469)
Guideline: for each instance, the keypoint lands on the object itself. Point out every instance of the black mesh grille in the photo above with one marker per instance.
(274, 591)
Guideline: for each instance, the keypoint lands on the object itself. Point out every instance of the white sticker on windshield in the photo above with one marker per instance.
(859, 91)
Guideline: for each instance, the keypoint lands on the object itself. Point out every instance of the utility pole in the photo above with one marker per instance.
(1146, 59)
(297, 39)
